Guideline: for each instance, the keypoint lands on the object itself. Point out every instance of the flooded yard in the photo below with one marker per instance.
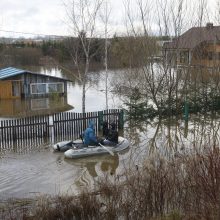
(31, 169)
(34, 170)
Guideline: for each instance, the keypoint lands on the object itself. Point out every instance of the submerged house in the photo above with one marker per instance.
(199, 46)
(18, 83)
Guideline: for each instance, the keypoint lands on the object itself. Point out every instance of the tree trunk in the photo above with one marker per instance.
(84, 97)
(84, 80)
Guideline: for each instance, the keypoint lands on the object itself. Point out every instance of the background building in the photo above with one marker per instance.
(197, 46)
(17, 83)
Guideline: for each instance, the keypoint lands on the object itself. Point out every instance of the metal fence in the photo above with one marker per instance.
(56, 127)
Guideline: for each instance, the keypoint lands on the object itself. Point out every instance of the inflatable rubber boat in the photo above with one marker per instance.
(76, 149)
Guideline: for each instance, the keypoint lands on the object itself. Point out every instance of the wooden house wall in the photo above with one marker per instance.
(28, 78)
(5, 90)
(205, 61)
(11, 107)
(199, 56)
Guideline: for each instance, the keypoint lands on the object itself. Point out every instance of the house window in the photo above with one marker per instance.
(184, 57)
(55, 88)
(210, 55)
(60, 87)
(204, 55)
(44, 88)
(38, 88)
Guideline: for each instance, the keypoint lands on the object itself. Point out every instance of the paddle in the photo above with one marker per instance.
(111, 152)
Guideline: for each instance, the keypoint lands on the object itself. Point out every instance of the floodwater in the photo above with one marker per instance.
(45, 172)
(95, 97)
(32, 169)
(28, 170)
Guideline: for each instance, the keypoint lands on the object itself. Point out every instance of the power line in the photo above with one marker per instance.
(29, 33)
(35, 34)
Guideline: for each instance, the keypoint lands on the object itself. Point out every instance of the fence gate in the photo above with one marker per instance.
(71, 125)
(61, 126)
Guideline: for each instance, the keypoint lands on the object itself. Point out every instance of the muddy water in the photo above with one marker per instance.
(95, 96)
(45, 172)
(34, 169)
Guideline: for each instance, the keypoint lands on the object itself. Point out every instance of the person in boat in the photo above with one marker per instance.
(112, 138)
(105, 129)
(89, 137)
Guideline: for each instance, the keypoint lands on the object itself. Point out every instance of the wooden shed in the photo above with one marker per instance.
(17, 83)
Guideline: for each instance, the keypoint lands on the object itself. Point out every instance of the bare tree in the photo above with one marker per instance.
(159, 82)
(144, 9)
(217, 12)
(202, 12)
(82, 16)
(105, 18)
(162, 11)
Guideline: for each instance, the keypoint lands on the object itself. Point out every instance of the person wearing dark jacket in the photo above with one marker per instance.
(105, 129)
(112, 138)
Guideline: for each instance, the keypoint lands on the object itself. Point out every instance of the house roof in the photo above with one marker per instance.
(11, 71)
(195, 36)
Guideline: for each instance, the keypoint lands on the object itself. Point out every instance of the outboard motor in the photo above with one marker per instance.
(58, 147)
(63, 146)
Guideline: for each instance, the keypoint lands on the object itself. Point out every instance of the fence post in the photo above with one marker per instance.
(14, 128)
(121, 120)
(186, 110)
(100, 120)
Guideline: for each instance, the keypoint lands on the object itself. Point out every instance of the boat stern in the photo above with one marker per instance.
(61, 146)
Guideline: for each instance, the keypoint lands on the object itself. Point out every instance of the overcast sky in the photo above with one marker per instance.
(41, 16)
(37, 16)
(49, 17)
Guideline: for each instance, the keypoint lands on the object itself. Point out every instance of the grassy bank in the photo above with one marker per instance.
(186, 186)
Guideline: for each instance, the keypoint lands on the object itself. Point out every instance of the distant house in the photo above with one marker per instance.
(17, 83)
(197, 46)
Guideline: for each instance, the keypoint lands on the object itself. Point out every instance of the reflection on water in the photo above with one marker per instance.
(47, 172)
(91, 168)
(173, 136)
(34, 169)
(31, 107)
(107, 163)
(29, 169)
(95, 89)
(25, 146)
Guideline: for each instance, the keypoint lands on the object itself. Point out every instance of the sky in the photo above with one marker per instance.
(49, 17)
(41, 17)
